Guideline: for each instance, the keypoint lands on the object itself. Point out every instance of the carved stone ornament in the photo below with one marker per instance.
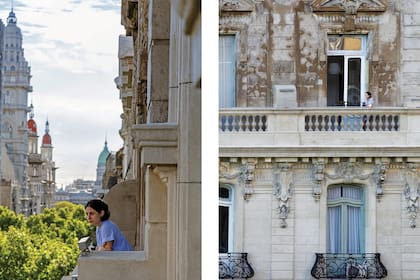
(379, 176)
(318, 177)
(350, 7)
(348, 172)
(282, 191)
(236, 5)
(245, 175)
(412, 197)
(246, 179)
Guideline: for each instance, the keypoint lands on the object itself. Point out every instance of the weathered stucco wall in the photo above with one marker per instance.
(284, 43)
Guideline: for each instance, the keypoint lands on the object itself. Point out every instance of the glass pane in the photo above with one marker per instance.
(334, 192)
(354, 219)
(352, 192)
(335, 43)
(227, 70)
(353, 88)
(344, 43)
(335, 81)
(223, 229)
(352, 44)
(224, 193)
(334, 230)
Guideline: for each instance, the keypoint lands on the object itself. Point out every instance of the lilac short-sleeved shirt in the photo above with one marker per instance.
(108, 231)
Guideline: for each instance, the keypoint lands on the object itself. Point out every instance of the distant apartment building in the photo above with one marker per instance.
(313, 184)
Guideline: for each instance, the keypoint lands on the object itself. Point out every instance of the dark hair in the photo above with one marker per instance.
(99, 205)
(369, 94)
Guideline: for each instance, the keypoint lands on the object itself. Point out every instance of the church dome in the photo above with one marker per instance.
(32, 125)
(46, 139)
(103, 155)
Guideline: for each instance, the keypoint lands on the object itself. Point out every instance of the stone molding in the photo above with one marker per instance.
(350, 7)
(236, 6)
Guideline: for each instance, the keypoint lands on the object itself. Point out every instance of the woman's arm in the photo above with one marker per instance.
(107, 246)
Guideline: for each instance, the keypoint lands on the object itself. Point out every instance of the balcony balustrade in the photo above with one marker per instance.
(348, 266)
(234, 266)
(307, 128)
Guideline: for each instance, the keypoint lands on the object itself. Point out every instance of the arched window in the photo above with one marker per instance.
(225, 218)
(346, 222)
(12, 68)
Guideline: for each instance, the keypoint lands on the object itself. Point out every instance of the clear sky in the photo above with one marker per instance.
(72, 48)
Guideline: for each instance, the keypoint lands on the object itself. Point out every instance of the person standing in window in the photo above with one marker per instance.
(108, 235)
(369, 100)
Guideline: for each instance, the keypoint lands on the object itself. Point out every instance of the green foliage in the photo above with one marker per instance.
(41, 246)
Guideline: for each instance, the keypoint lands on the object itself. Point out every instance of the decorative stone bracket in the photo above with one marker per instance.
(245, 176)
(379, 176)
(318, 177)
(412, 197)
(246, 179)
(282, 190)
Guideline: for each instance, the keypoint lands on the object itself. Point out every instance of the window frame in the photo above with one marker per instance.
(229, 203)
(344, 204)
(349, 54)
(228, 100)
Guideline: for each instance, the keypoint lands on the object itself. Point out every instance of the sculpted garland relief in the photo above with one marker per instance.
(412, 193)
(282, 190)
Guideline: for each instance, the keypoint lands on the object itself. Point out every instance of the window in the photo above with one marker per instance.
(227, 70)
(345, 223)
(225, 219)
(346, 70)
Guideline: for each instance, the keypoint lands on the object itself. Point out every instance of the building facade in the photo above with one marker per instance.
(27, 175)
(41, 170)
(157, 201)
(313, 184)
(14, 135)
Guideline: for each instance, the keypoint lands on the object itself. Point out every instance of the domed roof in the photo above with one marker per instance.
(103, 155)
(32, 125)
(12, 17)
(46, 139)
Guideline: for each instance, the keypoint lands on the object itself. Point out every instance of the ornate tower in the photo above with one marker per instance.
(48, 169)
(15, 88)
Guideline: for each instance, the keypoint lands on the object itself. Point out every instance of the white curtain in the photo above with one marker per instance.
(334, 230)
(227, 71)
(353, 229)
(347, 216)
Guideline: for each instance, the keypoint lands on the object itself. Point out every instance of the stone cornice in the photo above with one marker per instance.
(322, 151)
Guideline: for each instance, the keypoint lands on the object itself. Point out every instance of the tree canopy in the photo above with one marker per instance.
(41, 246)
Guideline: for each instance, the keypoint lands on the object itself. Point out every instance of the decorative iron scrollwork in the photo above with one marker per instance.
(348, 266)
(235, 266)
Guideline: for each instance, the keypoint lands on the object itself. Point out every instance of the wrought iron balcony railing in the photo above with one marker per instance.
(234, 266)
(348, 266)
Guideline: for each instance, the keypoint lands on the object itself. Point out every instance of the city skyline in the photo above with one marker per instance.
(73, 69)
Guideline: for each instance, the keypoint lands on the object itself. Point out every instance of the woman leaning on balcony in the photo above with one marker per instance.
(368, 100)
(108, 235)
